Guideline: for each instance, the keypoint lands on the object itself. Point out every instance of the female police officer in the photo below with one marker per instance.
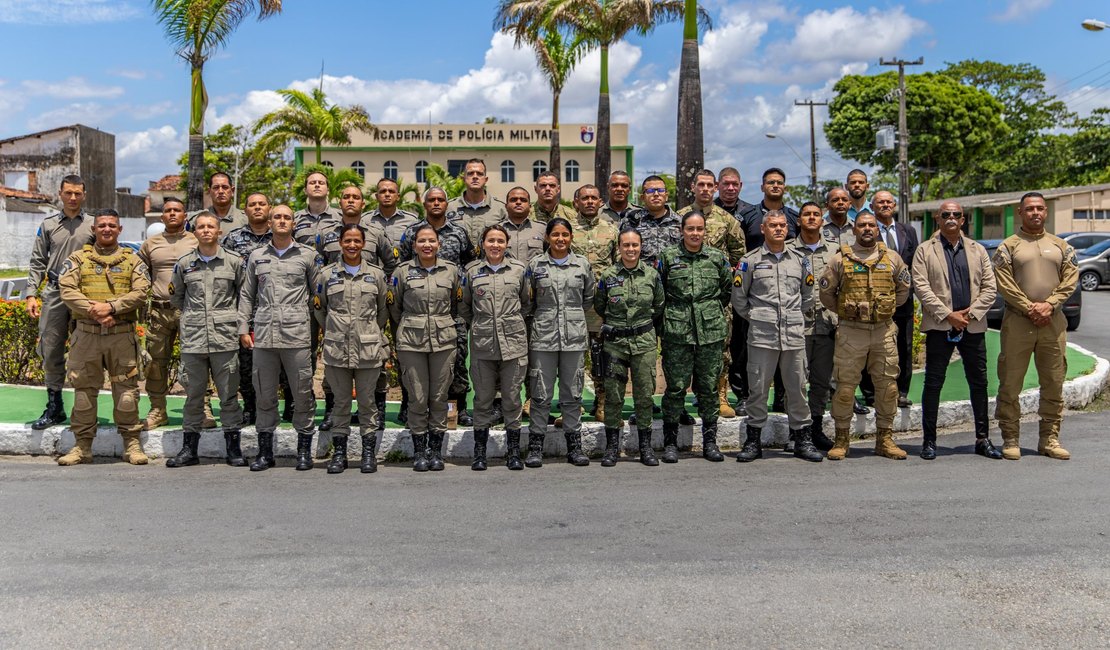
(562, 285)
(495, 297)
(423, 299)
(350, 306)
(629, 299)
(698, 282)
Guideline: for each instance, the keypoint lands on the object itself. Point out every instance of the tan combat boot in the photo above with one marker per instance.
(1050, 446)
(209, 419)
(81, 453)
(722, 393)
(133, 450)
(840, 446)
(599, 403)
(1011, 450)
(884, 445)
(156, 417)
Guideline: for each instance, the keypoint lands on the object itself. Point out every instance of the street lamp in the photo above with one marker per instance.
(812, 171)
(1095, 25)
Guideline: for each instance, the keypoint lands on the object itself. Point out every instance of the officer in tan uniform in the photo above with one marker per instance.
(60, 235)
(204, 288)
(475, 208)
(526, 235)
(104, 285)
(1036, 273)
(723, 232)
(547, 205)
(864, 283)
(160, 253)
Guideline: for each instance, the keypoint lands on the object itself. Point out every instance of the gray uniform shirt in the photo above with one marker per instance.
(840, 234)
(526, 241)
(561, 294)
(235, 218)
(493, 305)
(307, 227)
(774, 292)
(378, 250)
(424, 303)
(819, 319)
(207, 293)
(352, 311)
(275, 292)
(57, 238)
(394, 226)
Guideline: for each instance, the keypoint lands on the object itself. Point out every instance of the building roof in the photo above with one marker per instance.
(167, 183)
(1005, 198)
(33, 197)
(41, 133)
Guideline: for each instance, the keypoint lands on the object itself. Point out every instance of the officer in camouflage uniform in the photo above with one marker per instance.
(629, 300)
(618, 207)
(864, 283)
(773, 290)
(222, 191)
(547, 205)
(104, 285)
(723, 232)
(60, 235)
(697, 279)
(204, 288)
(658, 225)
(475, 209)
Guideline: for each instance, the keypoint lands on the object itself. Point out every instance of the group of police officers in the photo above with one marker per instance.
(813, 302)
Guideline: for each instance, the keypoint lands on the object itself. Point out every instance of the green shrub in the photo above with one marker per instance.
(19, 333)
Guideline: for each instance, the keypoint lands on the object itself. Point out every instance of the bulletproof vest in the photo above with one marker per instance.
(867, 291)
(106, 277)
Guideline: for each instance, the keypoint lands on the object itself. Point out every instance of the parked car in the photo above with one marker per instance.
(1094, 266)
(1073, 306)
(1082, 240)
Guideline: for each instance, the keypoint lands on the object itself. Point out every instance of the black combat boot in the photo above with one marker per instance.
(670, 443)
(55, 412)
(463, 417)
(803, 446)
(419, 452)
(685, 419)
(338, 461)
(369, 461)
(496, 413)
(329, 403)
(304, 452)
(233, 449)
(188, 454)
(512, 460)
(435, 451)
(535, 450)
(379, 401)
(612, 447)
(647, 454)
(709, 449)
(753, 446)
(265, 458)
(929, 447)
(481, 437)
(574, 449)
(817, 434)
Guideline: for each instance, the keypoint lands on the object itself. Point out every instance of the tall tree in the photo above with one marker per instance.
(259, 170)
(309, 117)
(689, 142)
(198, 28)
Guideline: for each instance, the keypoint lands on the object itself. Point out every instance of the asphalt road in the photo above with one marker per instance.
(868, 552)
(1094, 325)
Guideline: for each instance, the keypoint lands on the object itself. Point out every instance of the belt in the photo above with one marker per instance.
(95, 328)
(161, 304)
(625, 332)
(862, 325)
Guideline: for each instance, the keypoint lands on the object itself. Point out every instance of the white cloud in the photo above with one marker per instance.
(143, 156)
(1021, 10)
(53, 12)
(96, 114)
(71, 88)
(1086, 98)
(134, 75)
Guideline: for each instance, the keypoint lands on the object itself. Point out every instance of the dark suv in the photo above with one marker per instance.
(1072, 307)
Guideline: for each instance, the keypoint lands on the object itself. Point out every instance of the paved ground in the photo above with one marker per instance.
(1094, 326)
(960, 552)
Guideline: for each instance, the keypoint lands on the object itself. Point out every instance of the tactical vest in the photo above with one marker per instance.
(106, 277)
(867, 291)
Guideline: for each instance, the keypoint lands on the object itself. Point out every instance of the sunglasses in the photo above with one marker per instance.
(655, 190)
(946, 215)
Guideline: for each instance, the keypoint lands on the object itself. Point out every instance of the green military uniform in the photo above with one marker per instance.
(1029, 269)
(235, 218)
(526, 239)
(596, 240)
(476, 217)
(206, 294)
(542, 215)
(864, 286)
(820, 332)
(119, 278)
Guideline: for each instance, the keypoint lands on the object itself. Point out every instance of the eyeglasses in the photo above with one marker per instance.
(655, 190)
(947, 214)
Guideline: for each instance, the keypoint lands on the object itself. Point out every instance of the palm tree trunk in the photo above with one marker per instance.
(690, 145)
(194, 196)
(556, 154)
(601, 142)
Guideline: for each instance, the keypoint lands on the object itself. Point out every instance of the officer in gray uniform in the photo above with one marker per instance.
(221, 189)
(526, 236)
(773, 290)
(475, 209)
(60, 235)
(275, 295)
(204, 287)
(838, 226)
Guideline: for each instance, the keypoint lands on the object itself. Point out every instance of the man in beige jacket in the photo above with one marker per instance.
(954, 281)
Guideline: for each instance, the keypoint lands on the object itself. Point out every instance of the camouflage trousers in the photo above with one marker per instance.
(699, 363)
(642, 369)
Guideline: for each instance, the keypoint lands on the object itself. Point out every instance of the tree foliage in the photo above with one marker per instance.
(260, 170)
(338, 178)
(309, 117)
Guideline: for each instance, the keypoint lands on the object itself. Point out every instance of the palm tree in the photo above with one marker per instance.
(438, 177)
(338, 178)
(310, 118)
(197, 28)
(689, 146)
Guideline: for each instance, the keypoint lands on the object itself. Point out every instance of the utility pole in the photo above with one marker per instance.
(903, 138)
(812, 145)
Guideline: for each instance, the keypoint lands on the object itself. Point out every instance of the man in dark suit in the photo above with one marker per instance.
(902, 238)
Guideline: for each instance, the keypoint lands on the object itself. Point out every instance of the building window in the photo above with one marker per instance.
(572, 171)
(508, 172)
(327, 163)
(422, 171)
(1080, 214)
(538, 168)
(389, 170)
(359, 168)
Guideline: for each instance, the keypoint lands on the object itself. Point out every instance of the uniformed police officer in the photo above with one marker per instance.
(563, 286)
(838, 227)
(222, 191)
(864, 283)
(160, 253)
(275, 298)
(617, 207)
(547, 205)
(423, 301)
(495, 297)
(657, 224)
(1036, 273)
(629, 300)
(475, 209)
(350, 304)
(204, 288)
(526, 235)
(697, 280)
(60, 235)
(773, 290)
(104, 285)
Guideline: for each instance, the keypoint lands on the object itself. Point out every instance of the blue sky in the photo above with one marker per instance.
(107, 65)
